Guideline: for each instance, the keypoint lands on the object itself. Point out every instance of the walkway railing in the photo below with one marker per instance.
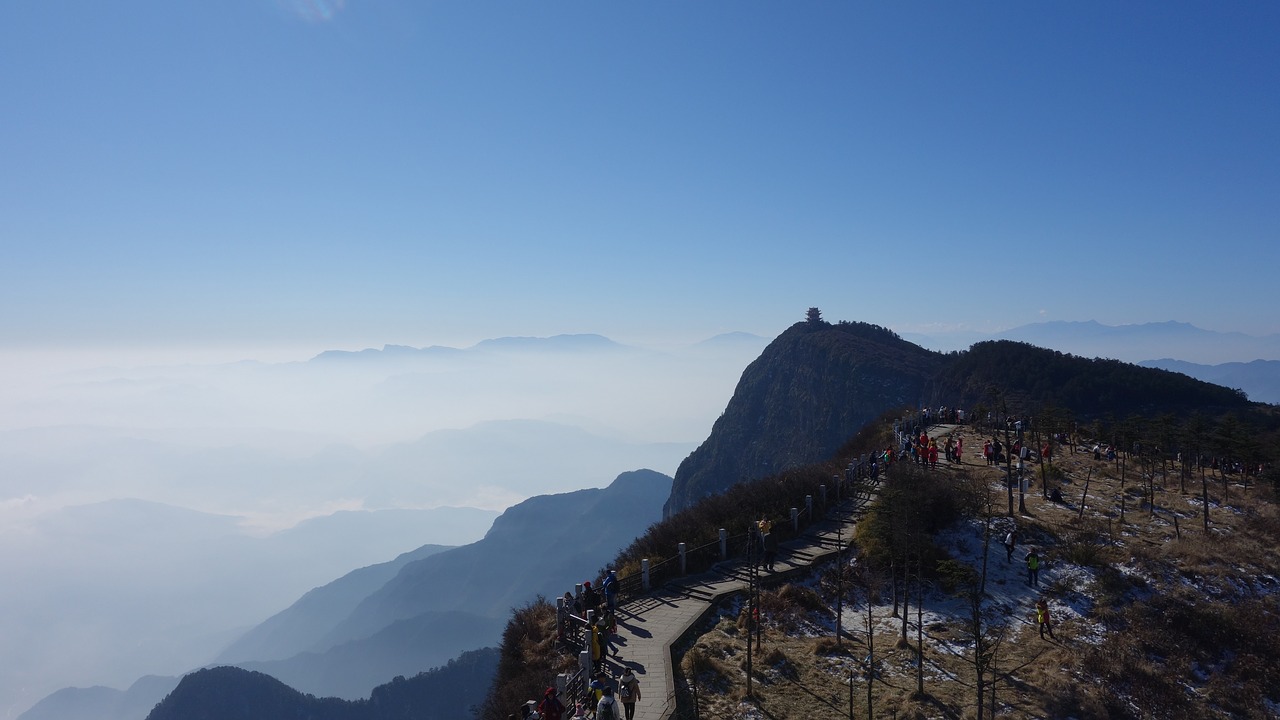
(853, 489)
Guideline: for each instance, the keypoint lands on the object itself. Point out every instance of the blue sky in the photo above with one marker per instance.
(327, 174)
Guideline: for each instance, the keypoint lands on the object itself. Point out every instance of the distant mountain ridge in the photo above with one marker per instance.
(293, 630)
(1259, 379)
(433, 608)
(134, 581)
(1131, 343)
(102, 703)
(229, 693)
(555, 343)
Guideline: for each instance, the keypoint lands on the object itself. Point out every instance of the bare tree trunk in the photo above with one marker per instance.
(871, 655)
(1204, 497)
(906, 599)
(1122, 491)
(1086, 492)
(919, 631)
(893, 584)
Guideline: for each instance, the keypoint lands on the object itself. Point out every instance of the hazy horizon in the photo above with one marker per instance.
(199, 198)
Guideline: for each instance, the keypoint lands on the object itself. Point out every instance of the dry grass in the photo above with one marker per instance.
(1179, 621)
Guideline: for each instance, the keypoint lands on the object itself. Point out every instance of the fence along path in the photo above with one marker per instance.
(648, 626)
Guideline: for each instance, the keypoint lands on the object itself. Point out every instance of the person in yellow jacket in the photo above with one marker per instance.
(1033, 568)
(764, 526)
(1043, 619)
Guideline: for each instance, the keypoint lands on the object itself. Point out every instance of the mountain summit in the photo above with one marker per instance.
(810, 390)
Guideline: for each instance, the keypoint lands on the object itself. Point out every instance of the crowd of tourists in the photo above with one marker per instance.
(594, 608)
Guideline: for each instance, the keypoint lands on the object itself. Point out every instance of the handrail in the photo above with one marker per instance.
(854, 488)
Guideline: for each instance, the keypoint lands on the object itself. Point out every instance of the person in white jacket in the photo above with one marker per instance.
(607, 708)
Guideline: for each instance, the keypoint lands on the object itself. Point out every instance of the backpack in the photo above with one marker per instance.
(607, 710)
(625, 691)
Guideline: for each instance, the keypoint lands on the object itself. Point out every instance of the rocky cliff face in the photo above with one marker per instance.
(817, 384)
(809, 391)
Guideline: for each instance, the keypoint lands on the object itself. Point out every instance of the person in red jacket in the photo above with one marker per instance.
(551, 708)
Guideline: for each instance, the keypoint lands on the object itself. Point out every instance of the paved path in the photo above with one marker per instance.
(649, 626)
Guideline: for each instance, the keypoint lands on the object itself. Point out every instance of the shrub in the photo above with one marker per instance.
(527, 659)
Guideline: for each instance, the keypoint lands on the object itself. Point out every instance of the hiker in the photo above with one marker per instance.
(590, 598)
(1009, 541)
(764, 526)
(629, 693)
(1033, 568)
(1042, 617)
(595, 690)
(604, 635)
(960, 449)
(607, 708)
(551, 708)
(986, 451)
(611, 590)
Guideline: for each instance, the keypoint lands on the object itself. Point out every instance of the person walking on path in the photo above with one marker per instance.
(1033, 568)
(607, 708)
(1042, 618)
(629, 693)
(1010, 541)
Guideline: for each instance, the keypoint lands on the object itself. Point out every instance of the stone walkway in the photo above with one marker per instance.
(649, 626)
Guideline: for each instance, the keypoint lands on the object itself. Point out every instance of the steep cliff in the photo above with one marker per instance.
(810, 390)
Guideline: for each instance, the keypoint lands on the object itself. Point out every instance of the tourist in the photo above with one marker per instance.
(607, 708)
(629, 693)
(1042, 618)
(611, 590)
(551, 708)
(1033, 568)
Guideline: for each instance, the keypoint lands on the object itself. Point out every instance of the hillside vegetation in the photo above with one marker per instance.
(1188, 493)
(1156, 614)
(230, 693)
(818, 383)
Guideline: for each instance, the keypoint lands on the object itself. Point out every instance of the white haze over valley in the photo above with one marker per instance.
(150, 512)
(156, 503)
